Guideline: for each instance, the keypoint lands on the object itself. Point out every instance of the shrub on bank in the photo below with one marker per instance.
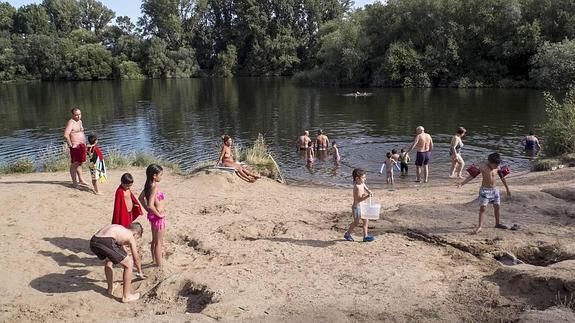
(259, 158)
(54, 158)
(22, 165)
(544, 164)
(559, 130)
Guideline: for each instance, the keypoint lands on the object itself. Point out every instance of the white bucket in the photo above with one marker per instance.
(370, 211)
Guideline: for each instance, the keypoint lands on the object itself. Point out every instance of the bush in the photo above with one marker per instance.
(22, 165)
(259, 158)
(130, 71)
(54, 158)
(559, 130)
(546, 164)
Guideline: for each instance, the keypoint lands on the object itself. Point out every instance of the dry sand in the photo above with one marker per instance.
(270, 252)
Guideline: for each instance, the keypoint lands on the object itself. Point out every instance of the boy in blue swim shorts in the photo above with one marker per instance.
(360, 194)
(488, 192)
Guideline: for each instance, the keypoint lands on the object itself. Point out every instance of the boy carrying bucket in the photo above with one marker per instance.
(360, 194)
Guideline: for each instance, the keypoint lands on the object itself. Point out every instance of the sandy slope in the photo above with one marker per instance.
(270, 252)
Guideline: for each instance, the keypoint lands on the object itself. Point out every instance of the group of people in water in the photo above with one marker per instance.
(115, 243)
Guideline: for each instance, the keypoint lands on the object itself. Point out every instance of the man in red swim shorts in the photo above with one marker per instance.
(74, 135)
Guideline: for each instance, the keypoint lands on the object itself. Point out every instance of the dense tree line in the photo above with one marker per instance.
(81, 40)
(464, 43)
(410, 43)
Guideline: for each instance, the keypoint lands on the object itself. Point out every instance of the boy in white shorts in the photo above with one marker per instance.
(488, 192)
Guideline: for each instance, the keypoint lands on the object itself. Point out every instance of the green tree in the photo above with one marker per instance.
(155, 59)
(7, 13)
(554, 65)
(64, 14)
(94, 15)
(226, 62)
(32, 19)
(7, 59)
(129, 70)
(88, 62)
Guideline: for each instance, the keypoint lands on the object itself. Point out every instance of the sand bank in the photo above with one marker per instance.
(270, 252)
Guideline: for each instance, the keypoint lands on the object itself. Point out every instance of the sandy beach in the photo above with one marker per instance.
(271, 252)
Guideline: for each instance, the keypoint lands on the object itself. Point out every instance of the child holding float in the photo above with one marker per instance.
(488, 192)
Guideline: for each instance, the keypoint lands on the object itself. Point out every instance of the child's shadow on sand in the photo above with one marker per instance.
(309, 243)
(73, 280)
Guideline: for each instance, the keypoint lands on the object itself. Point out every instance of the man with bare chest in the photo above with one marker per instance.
(423, 145)
(76, 140)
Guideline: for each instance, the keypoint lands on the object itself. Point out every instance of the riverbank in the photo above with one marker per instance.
(271, 252)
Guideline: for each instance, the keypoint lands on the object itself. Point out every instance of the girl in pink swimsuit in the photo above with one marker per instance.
(152, 199)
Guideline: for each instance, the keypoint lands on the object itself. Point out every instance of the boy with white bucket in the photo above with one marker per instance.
(360, 194)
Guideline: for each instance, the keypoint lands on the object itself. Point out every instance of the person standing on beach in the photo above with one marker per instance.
(109, 244)
(457, 162)
(532, 145)
(360, 194)
(302, 141)
(76, 140)
(424, 145)
(488, 192)
(152, 199)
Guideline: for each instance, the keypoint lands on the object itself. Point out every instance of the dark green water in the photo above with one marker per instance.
(182, 120)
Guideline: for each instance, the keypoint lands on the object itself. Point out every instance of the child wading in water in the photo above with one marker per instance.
(488, 192)
(152, 200)
(309, 154)
(390, 163)
(335, 152)
(360, 194)
(404, 160)
(96, 163)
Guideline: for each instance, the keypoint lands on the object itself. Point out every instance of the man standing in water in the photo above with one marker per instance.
(302, 141)
(424, 145)
(76, 140)
(321, 145)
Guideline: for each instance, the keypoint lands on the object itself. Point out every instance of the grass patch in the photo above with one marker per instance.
(259, 159)
(565, 301)
(545, 164)
(22, 165)
(54, 158)
(115, 159)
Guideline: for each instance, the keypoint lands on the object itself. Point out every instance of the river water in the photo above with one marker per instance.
(182, 121)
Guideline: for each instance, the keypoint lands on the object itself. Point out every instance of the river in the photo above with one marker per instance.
(182, 121)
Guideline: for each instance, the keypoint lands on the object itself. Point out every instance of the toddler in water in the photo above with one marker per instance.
(309, 154)
(390, 163)
(152, 200)
(404, 160)
(360, 194)
(335, 152)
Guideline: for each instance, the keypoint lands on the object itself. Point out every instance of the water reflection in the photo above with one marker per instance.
(182, 120)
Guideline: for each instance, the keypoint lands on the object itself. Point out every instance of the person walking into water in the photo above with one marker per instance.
(532, 146)
(457, 162)
(423, 145)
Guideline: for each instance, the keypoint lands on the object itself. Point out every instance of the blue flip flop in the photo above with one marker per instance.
(348, 237)
(368, 239)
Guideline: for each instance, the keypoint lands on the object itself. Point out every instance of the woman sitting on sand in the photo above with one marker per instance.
(227, 160)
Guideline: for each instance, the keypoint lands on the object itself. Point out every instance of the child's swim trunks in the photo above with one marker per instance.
(489, 195)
